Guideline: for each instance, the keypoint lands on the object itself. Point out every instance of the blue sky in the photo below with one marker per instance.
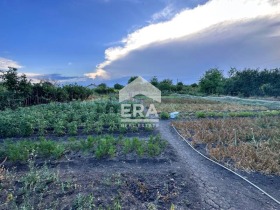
(90, 41)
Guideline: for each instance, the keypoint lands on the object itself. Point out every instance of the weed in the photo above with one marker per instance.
(83, 202)
(34, 185)
(117, 204)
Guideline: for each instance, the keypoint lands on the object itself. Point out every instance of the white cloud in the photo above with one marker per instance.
(187, 23)
(34, 77)
(164, 14)
(99, 73)
(5, 63)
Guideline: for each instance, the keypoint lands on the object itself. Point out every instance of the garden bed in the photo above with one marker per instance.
(102, 172)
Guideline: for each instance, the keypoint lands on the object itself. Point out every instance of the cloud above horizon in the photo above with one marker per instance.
(56, 78)
(206, 36)
(5, 63)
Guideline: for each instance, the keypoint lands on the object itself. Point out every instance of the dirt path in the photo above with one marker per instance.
(218, 188)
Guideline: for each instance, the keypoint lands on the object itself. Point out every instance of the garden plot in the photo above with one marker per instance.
(98, 172)
(77, 156)
(250, 144)
(193, 105)
(98, 147)
(60, 119)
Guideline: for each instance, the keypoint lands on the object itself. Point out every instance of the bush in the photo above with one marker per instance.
(164, 115)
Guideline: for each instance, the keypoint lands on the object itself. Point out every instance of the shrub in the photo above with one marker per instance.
(164, 115)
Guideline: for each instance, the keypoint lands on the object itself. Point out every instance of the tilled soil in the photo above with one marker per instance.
(179, 177)
(124, 182)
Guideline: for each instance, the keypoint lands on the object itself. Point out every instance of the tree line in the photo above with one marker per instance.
(16, 90)
(243, 83)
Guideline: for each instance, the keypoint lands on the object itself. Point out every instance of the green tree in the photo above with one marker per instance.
(19, 85)
(10, 79)
(154, 81)
(166, 85)
(118, 86)
(179, 86)
(103, 89)
(131, 79)
(212, 82)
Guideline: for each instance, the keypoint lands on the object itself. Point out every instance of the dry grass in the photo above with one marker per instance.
(2, 171)
(2, 174)
(194, 105)
(248, 143)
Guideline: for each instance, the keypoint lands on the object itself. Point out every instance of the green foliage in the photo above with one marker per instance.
(83, 202)
(105, 147)
(200, 114)
(131, 79)
(166, 86)
(154, 81)
(59, 128)
(253, 82)
(118, 86)
(16, 91)
(49, 148)
(18, 151)
(212, 82)
(101, 147)
(155, 146)
(128, 146)
(61, 119)
(21, 150)
(34, 183)
(72, 128)
(103, 89)
(164, 115)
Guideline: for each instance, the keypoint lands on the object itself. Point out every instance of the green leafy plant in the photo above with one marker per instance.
(83, 202)
(164, 115)
(72, 128)
(59, 128)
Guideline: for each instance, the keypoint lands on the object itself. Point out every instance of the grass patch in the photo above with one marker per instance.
(204, 114)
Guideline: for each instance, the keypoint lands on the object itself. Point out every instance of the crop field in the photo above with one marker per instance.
(78, 156)
(41, 175)
(193, 105)
(63, 119)
(251, 144)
